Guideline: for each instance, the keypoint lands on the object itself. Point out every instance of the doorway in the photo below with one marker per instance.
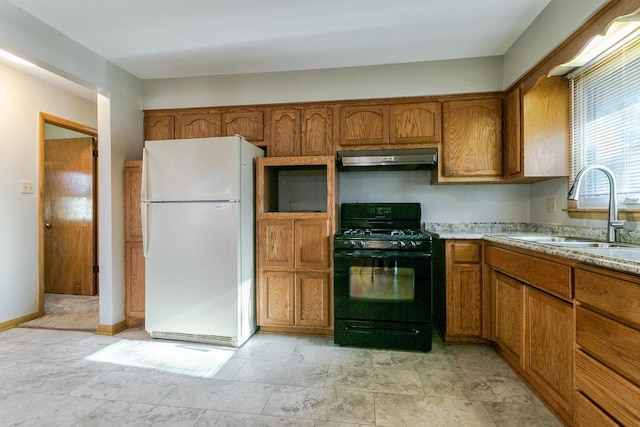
(68, 258)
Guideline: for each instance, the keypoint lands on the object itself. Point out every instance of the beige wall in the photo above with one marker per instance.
(120, 137)
(22, 98)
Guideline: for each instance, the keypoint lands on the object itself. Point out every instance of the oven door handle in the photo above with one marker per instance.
(379, 254)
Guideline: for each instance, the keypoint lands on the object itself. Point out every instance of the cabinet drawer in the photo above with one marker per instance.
(613, 393)
(614, 344)
(589, 415)
(465, 252)
(610, 294)
(544, 275)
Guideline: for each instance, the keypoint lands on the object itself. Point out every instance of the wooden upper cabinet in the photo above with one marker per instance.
(199, 125)
(472, 140)
(158, 127)
(537, 131)
(249, 124)
(316, 137)
(301, 132)
(364, 125)
(285, 140)
(398, 123)
(415, 123)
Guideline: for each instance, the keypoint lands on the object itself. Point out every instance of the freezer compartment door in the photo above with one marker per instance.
(192, 169)
(192, 269)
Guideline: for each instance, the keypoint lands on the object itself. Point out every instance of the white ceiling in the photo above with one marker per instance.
(170, 38)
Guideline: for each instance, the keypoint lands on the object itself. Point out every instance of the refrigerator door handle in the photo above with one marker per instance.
(143, 190)
(144, 220)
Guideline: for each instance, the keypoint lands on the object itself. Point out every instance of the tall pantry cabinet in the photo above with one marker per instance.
(134, 257)
(295, 211)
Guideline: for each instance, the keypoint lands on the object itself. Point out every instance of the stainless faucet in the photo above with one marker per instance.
(614, 224)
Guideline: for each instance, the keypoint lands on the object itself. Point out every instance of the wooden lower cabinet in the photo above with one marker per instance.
(134, 272)
(291, 299)
(509, 318)
(464, 312)
(607, 355)
(534, 328)
(549, 349)
(134, 284)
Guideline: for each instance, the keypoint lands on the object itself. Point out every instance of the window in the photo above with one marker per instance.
(605, 125)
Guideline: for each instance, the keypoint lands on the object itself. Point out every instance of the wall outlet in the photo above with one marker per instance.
(293, 206)
(26, 187)
(551, 204)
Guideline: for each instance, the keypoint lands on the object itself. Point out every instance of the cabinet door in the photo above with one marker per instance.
(513, 137)
(509, 318)
(312, 243)
(545, 128)
(312, 299)
(415, 123)
(276, 296)
(364, 125)
(134, 283)
(158, 127)
(275, 243)
(199, 125)
(317, 132)
(285, 140)
(472, 139)
(549, 348)
(464, 289)
(249, 124)
(132, 188)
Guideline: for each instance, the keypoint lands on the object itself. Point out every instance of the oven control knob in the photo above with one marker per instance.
(413, 244)
(402, 244)
(362, 243)
(351, 243)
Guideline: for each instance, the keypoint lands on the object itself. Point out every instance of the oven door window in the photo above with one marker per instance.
(381, 280)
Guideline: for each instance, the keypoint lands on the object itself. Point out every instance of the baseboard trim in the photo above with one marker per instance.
(15, 322)
(111, 329)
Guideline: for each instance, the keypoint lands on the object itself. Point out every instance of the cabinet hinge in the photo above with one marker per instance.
(95, 153)
(96, 269)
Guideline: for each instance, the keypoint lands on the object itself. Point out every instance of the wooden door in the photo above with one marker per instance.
(275, 243)
(312, 243)
(199, 125)
(364, 125)
(69, 235)
(317, 132)
(312, 299)
(472, 138)
(550, 348)
(464, 289)
(285, 125)
(158, 127)
(415, 123)
(513, 137)
(276, 298)
(509, 318)
(249, 124)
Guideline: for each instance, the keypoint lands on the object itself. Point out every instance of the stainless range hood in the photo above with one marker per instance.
(401, 159)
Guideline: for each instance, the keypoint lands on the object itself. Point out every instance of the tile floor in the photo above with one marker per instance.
(59, 378)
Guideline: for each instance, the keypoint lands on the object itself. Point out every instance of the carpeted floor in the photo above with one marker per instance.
(68, 312)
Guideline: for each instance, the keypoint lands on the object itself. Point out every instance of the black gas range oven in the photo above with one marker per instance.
(382, 277)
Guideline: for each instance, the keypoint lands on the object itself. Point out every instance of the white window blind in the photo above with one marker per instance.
(605, 125)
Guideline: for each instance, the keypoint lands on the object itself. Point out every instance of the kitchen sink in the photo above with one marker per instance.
(573, 242)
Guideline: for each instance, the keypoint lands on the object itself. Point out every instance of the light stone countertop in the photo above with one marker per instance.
(621, 259)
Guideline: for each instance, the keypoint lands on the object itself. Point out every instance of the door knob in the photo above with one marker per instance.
(47, 226)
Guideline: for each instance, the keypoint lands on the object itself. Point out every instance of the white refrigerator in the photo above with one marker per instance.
(198, 239)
